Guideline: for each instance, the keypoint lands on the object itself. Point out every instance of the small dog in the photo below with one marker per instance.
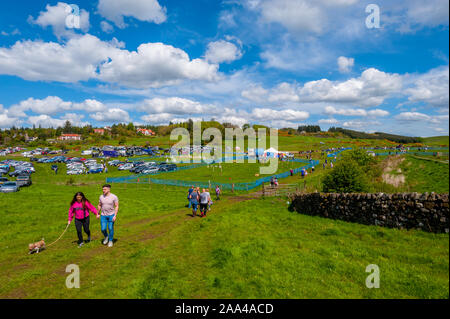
(36, 247)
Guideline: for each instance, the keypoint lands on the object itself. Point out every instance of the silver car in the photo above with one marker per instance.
(9, 187)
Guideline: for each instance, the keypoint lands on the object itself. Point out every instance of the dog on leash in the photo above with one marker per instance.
(36, 247)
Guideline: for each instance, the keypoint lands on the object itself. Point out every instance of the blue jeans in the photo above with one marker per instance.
(107, 222)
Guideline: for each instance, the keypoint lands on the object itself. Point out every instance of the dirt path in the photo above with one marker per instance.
(164, 226)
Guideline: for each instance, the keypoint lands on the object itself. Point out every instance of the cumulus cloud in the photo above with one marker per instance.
(328, 121)
(345, 64)
(44, 120)
(222, 51)
(421, 117)
(53, 105)
(176, 105)
(330, 110)
(288, 114)
(155, 65)
(87, 57)
(56, 16)
(106, 27)
(142, 10)
(431, 88)
(370, 89)
(112, 115)
(6, 120)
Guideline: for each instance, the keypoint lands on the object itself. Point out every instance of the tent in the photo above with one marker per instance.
(271, 152)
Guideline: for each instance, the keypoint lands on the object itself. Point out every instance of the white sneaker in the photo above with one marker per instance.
(105, 241)
(110, 244)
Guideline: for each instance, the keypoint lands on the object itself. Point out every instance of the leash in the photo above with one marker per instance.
(60, 236)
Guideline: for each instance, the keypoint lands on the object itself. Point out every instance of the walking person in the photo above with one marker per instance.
(80, 208)
(204, 200)
(210, 202)
(194, 197)
(217, 192)
(109, 205)
(190, 190)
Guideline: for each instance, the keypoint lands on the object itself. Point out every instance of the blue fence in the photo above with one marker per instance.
(203, 184)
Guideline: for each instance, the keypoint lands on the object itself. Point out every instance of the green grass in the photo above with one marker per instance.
(425, 175)
(245, 248)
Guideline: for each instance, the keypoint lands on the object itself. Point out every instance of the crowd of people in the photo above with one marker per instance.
(201, 200)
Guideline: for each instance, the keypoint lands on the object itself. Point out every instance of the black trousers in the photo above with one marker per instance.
(82, 223)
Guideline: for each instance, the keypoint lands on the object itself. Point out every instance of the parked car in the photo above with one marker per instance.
(95, 170)
(150, 170)
(125, 167)
(168, 168)
(23, 180)
(3, 180)
(9, 187)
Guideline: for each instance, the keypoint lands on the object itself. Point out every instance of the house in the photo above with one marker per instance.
(70, 137)
(145, 131)
(100, 131)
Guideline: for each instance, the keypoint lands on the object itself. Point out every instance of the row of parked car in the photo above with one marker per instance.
(22, 172)
(10, 150)
(77, 166)
(143, 167)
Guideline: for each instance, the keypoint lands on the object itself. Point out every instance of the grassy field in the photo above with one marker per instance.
(247, 247)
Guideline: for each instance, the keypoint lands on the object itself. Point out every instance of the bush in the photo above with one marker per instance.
(346, 177)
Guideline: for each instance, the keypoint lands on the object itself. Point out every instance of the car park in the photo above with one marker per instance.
(9, 187)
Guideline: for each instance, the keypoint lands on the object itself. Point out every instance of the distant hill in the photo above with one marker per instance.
(377, 136)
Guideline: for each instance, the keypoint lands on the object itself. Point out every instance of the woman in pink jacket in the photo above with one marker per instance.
(80, 207)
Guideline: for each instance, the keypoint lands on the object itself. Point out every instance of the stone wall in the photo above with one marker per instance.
(428, 212)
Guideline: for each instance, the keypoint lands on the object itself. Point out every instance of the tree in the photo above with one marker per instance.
(67, 127)
(346, 177)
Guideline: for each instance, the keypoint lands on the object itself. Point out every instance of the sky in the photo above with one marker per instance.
(373, 66)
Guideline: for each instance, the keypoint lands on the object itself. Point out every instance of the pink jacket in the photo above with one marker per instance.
(77, 209)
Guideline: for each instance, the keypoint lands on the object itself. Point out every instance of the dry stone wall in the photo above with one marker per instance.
(428, 212)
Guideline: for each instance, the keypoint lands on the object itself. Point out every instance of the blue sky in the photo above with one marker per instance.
(281, 63)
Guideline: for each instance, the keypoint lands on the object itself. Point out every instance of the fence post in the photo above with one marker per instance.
(232, 188)
(263, 190)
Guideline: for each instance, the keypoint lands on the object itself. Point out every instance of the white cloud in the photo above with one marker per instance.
(106, 27)
(360, 124)
(330, 110)
(112, 115)
(284, 92)
(255, 94)
(55, 16)
(45, 121)
(74, 61)
(328, 121)
(87, 57)
(370, 89)
(5, 120)
(420, 117)
(53, 105)
(431, 88)
(155, 65)
(222, 51)
(287, 115)
(176, 105)
(345, 64)
(142, 10)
